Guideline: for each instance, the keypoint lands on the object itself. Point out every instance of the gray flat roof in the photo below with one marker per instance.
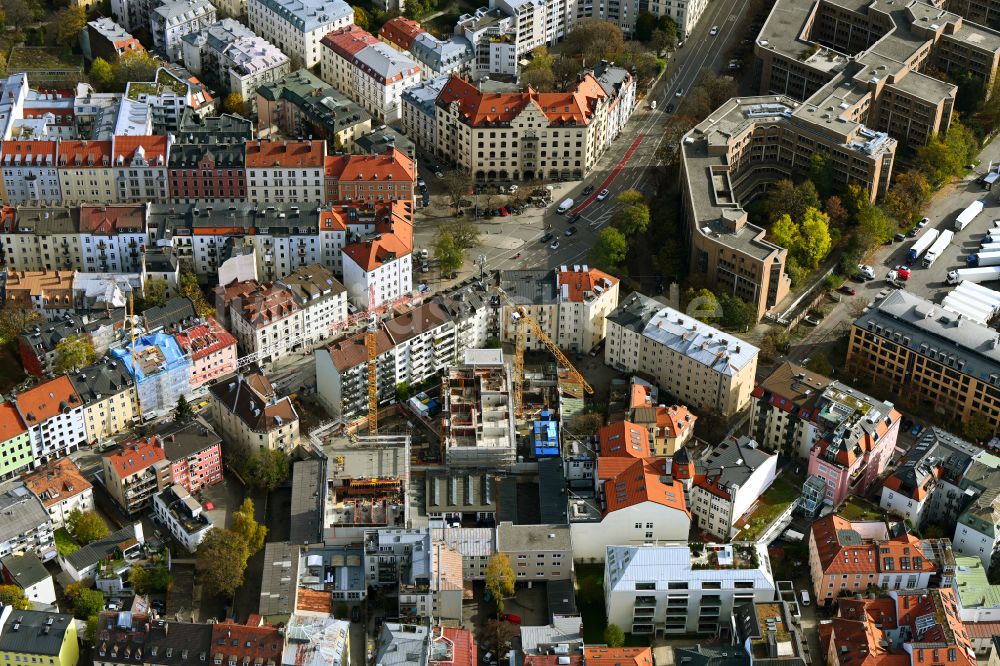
(25, 569)
(280, 579)
(308, 500)
(524, 538)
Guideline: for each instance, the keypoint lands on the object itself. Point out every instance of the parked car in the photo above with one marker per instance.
(903, 272)
(899, 238)
(916, 429)
(669, 109)
(510, 617)
(421, 184)
(714, 31)
(554, 245)
(923, 222)
(546, 238)
(570, 231)
(603, 194)
(575, 218)
(850, 291)
(439, 173)
(812, 321)
(356, 614)
(679, 93)
(867, 271)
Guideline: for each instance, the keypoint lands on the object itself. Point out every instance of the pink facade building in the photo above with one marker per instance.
(195, 454)
(212, 350)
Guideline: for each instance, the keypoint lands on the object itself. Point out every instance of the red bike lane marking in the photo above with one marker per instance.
(611, 176)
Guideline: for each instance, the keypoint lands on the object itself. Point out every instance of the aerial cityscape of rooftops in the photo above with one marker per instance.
(500, 332)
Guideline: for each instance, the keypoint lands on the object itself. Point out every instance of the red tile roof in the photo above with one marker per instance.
(392, 165)
(11, 424)
(285, 154)
(464, 646)
(401, 31)
(840, 557)
(47, 400)
(575, 107)
(110, 220)
(267, 305)
(674, 421)
(394, 239)
(643, 481)
(346, 42)
(34, 153)
(892, 553)
(622, 656)
(136, 455)
(57, 481)
(243, 641)
(84, 154)
(624, 439)
(205, 339)
(154, 148)
(577, 283)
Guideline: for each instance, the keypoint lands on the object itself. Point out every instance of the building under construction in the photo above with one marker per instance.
(477, 426)
(161, 370)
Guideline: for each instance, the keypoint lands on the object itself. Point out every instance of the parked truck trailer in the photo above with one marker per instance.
(921, 244)
(935, 251)
(976, 275)
(969, 214)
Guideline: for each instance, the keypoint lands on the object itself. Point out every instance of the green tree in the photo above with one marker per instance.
(737, 314)
(448, 253)
(87, 527)
(133, 66)
(154, 293)
(268, 468)
(594, 40)
(73, 353)
(12, 595)
(15, 319)
(565, 71)
(820, 365)
(101, 74)
(538, 72)
(68, 23)
(235, 104)
(645, 24)
(84, 601)
(874, 227)
(403, 391)
(499, 579)
(147, 580)
(821, 173)
(702, 304)
(608, 252)
(500, 635)
(659, 41)
(188, 287)
(977, 428)
(221, 561)
(246, 525)
(815, 238)
(465, 233)
(361, 18)
(614, 636)
(785, 197)
(183, 411)
(785, 232)
(586, 424)
(909, 193)
(92, 622)
(632, 216)
(970, 92)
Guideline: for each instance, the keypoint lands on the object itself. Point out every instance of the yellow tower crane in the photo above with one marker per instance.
(371, 344)
(524, 321)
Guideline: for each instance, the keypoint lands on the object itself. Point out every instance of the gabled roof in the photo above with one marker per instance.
(622, 656)
(205, 339)
(572, 108)
(46, 400)
(346, 42)
(842, 549)
(135, 456)
(391, 165)
(624, 439)
(393, 239)
(643, 481)
(109, 220)
(255, 407)
(285, 154)
(11, 424)
(573, 284)
(56, 482)
(400, 31)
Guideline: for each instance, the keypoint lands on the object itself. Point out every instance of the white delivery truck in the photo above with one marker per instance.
(565, 206)
(983, 259)
(977, 275)
(935, 251)
(969, 214)
(921, 244)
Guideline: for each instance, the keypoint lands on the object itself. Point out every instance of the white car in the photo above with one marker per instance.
(866, 271)
(923, 222)
(714, 31)
(679, 93)
(554, 245)
(603, 194)
(512, 189)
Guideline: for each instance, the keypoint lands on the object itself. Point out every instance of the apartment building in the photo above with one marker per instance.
(235, 57)
(285, 171)
(212, 350)
(853, 556)
(380, 265)
(206, 171)
(54, 415)
(173, 19)
(418, 110)
(932, 358)
(301, 104)
(16, 455)
(669, 428)
(806, 56)
(389, 175)
(249, 412)
(135, 472)
(27, 573)
(477, 412)
(162, 642)
(267, 321)
(112, 238)
(730, 252)
(103, 38)
(83, 564)
(26, 527)
(194, 452)
(683, 588)
(697, 363)
(322, 298)
(42, 239)
(50, 293)
(182, 515)
(411, 348)
(494, 39)
(502, 136)
(141, 168)
(895, 628)
(85, 172)
(297, 26)
(30, 173)
(61, 488)
(570, 303)
(160, 370)
(37, 345)
(109, 396)
(537, 552)
(727, 482)
(39, 637)
(436, 57)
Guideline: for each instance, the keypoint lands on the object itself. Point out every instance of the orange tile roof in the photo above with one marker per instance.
(643, 481)
(205, 339)
(624, 439)
(351, 352)
(34, 152)
(112, 219)
(401, 31)
(622, 656)
(674, 420)
(575, 107)
(463, 646)
(136, 455)
(609, 468)
(11, 424)
(285, 154)
(891, 553)
(392, 165)
(346, 42)
(579, 282)
(84, 154)
(838, 558)
(315, 601)
(639, 396)
(447, 567)
(394, 239)
(47, 400)
(154, 147)
(266, 305)
(57, 481)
